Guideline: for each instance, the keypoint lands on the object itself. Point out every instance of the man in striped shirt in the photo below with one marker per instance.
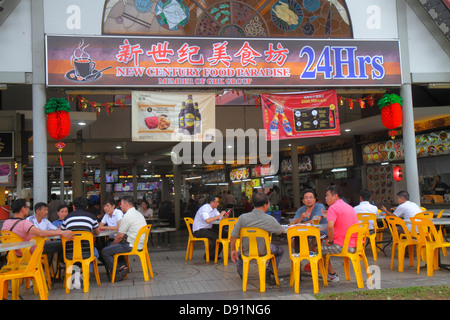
(80, 220)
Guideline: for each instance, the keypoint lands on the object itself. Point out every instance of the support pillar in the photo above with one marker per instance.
(295, 177)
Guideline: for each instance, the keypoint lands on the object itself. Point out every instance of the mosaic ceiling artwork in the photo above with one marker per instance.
(251, 18)
(439, 10)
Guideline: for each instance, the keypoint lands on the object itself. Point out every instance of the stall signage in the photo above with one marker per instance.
(239, 174)
(263, 171)
(202, 62)
(290, 116)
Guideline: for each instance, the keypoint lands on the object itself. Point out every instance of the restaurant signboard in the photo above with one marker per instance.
(117, 61)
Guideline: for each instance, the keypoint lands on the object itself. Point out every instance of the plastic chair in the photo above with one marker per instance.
(442, 231)
(316, 261)
(135, 251)
(192, 240)
(33, 269)
(361, 230)
(401, 242)
(431, 241)
(425, 214)
(366, 217)
(20, 262)
(252, 234)
(230, 222)
(423, 209)
(85, 258)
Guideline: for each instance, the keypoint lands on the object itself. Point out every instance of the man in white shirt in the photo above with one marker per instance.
(130, 225)
(112, 217)
(365, 206)
(202, 226)
(405, 210)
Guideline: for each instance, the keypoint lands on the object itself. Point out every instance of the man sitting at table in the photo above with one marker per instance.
(81, 220)
(310, 209)
(130, 225)
(111, 218)
(202, 226)
(258, 218)
(62, 212)
(365, 206)
(340, 216)
(27, 230)
(405, 209)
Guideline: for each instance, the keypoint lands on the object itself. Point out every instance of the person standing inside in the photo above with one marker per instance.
(257, 218)
(53, 208)
(203, 222)
(340, 216)
(130, 225)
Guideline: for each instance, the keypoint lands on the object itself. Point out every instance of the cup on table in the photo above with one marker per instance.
(316, 220)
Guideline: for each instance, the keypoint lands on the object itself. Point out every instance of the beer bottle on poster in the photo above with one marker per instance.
(189, 118)
(181, 116)
(331, 119)
(286, 124)
(198, 119)
(274, 124)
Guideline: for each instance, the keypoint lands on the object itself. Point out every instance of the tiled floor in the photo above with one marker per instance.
(176, 279)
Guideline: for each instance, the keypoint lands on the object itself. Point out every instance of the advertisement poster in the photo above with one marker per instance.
(219, 62)
(6, 173)
(158, 116)
(305, 115)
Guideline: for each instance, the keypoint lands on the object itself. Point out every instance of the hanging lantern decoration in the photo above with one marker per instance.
(397, 173)
(58, 122)
(391, 112)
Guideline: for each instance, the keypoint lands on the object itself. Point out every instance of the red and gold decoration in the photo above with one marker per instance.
(58, 122)
(97, 106)
(362, 102)
(391, 112)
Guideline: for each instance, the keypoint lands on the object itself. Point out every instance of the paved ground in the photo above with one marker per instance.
(176, 279)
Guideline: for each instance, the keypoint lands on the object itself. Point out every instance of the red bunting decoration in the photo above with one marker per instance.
(360, 101)
(58, 122)
(97, 106)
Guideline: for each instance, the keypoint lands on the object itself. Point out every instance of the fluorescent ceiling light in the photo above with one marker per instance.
(339, 170)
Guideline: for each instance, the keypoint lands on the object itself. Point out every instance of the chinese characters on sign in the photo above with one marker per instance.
(118, 61)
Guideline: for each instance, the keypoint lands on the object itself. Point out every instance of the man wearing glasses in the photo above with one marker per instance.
(203, 222)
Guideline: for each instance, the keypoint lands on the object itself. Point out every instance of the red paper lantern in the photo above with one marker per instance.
(58, 121)
(397, 173)
(391, 112)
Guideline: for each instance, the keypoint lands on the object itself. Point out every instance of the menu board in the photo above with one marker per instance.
(381, 184)
(427, 144)
(433, 144)
(304, 165)
(214, 177)
(391, 150)
(263, 171)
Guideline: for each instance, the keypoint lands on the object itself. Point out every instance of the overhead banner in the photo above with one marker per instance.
(211, 62)
(291, 116)
(158, 116)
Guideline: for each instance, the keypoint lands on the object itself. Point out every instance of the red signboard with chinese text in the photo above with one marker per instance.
(289, 116)
(211, 62)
